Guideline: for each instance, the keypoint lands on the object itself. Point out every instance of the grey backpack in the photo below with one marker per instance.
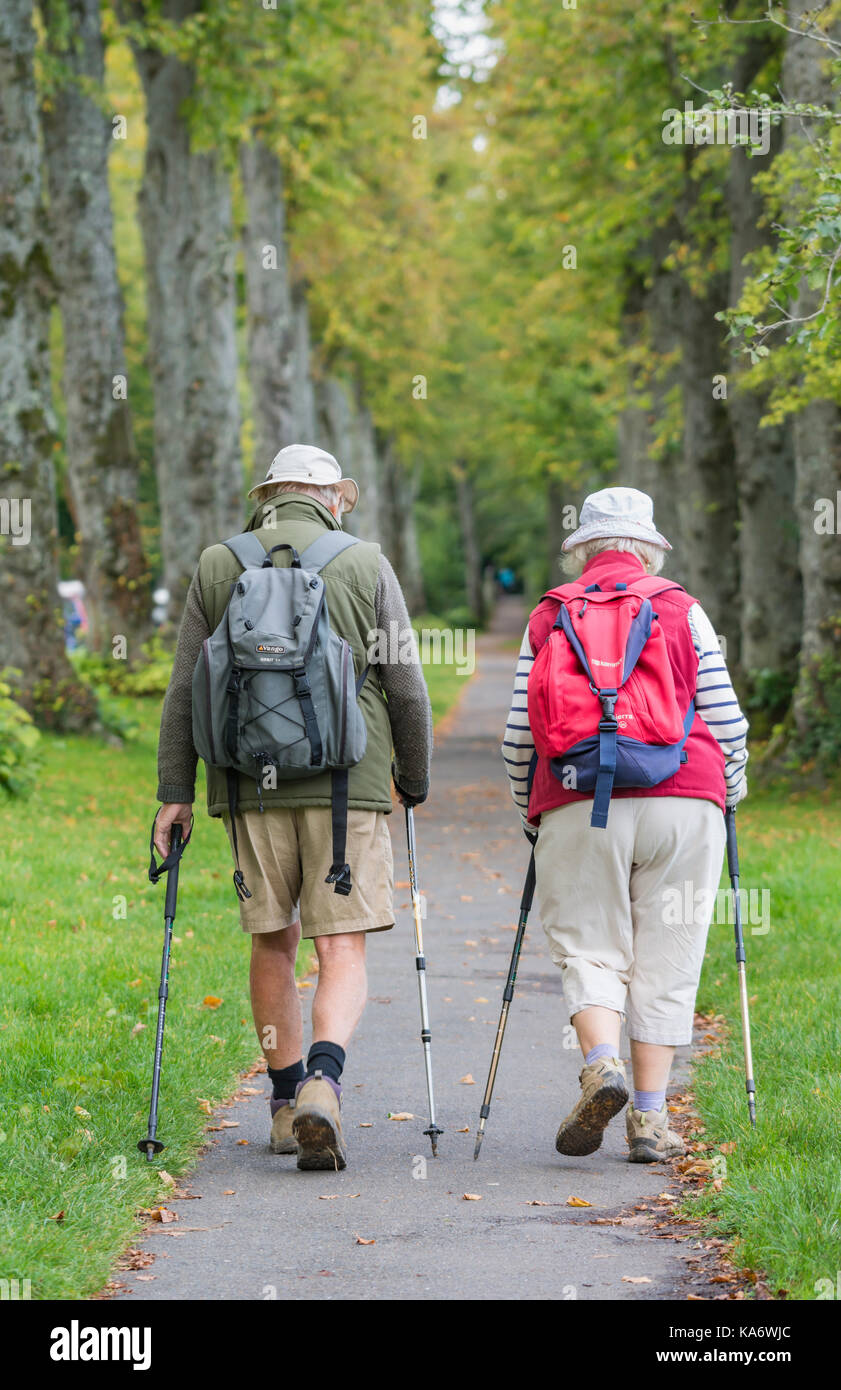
(275, 690)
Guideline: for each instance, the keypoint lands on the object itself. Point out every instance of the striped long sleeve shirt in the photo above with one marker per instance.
(715, 701)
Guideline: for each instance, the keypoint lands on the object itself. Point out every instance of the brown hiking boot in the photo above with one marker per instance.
(649, 1138)
(282, 1139)
(317, 1124)
(603, 1092)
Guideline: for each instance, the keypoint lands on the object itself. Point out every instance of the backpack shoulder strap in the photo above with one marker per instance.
(650, 585)
(247, 549)
(325, 549)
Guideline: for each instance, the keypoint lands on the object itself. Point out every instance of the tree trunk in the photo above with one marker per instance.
(346, 430)
(31, 636)
(185, 215)
(470, 543)
(649, 451)
(771, 598)
(398, 497)
(304, 388)
(271, 315)
(817, 445)
(101, 458)
(706, 503)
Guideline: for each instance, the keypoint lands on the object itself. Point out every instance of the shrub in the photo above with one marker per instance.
(19, 744)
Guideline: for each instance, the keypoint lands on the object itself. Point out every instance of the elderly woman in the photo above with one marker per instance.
(625, 876)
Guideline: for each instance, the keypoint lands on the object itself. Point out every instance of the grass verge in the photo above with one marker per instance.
(781, 1200)
(80, 960)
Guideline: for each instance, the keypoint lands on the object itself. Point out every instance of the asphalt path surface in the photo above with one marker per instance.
(397, 1224)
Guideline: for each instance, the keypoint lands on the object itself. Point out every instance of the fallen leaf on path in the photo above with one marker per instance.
(466, 1080)
(163, 1214)
(166, 1178)
(360, 1241)
(539, 1204)
(211, 1001)
(635, 1279)
(466, 1130)
(242, 1141)
(467, 897)
(146, 1278)
(401, 1115)
(365, 1124)
(578, 1202)
(229, 1192)
(472, 1197)
(334, 1196)
(251, 1090)
(481, 1000)
(471, 943)
(135, 1259)
(224, 1124)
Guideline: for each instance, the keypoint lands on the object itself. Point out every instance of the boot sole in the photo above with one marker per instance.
(641, 1153)
(288, 1146)
(319, 1146)
(584, 1134)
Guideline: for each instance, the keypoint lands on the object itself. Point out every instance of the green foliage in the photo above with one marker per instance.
(20, 752)
(148, 676)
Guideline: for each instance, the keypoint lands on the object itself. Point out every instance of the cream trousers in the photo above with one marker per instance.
(627, 909)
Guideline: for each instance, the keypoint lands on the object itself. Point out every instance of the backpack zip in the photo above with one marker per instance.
(343, 739)
(209, 710)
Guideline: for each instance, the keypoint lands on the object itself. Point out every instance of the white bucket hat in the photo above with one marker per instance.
(617, 511)
(304, 463)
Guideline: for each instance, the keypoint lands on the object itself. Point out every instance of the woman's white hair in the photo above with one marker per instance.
(327, 494)
(652, 556)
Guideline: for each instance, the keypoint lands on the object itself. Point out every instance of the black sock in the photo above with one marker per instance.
(326, 1057)
(285, 1079)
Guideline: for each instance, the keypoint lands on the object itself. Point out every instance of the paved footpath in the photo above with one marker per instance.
(277, 1237)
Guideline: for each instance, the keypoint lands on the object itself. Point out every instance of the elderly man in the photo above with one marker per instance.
(609, 870)
(283, 832)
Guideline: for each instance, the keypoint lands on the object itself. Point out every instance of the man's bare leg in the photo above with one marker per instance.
(342, 987)
(274, 995)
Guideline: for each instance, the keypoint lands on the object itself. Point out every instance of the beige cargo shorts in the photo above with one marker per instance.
(285, 855)
(627, 909)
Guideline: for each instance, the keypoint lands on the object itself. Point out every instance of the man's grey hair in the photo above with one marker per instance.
(328, 494)
(652, 556)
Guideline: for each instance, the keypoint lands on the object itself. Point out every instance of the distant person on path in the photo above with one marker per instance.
(625, 881)
(284, 831)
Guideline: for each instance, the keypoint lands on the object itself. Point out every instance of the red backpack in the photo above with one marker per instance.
(606, 656)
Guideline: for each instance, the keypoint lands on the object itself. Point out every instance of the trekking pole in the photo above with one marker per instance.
(151, 1145)
(507, 996)
(733, 870)
(420, 963)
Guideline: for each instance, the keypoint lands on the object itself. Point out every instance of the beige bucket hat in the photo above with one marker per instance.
(304, 463)
(617, 511)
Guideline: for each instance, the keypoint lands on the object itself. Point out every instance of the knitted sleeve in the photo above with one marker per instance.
(177, 758)
(402, 680)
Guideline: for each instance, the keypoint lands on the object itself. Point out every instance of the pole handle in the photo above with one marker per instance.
(732, 847)
(172, 876)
